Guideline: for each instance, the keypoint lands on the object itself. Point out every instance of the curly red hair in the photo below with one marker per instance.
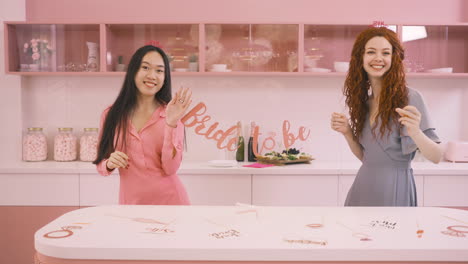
(394, 90)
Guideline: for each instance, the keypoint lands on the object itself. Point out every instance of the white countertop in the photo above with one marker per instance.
(260, 234)
(316, 167)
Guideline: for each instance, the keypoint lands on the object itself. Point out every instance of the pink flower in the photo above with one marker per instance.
(35, 50)
(36, 56)
(26, 45)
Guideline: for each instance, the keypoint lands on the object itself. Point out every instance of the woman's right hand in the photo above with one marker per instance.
(117, 159)
(340, 123)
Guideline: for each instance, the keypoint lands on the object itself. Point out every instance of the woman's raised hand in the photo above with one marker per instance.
(340, 123)
(177, 107)
(118, 159)
(410, 118)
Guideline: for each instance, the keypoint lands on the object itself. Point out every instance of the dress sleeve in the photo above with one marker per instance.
(408, 145)
(173, 146)
(101, 166)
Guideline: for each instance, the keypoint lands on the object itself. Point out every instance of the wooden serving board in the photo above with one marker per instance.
(266, 160)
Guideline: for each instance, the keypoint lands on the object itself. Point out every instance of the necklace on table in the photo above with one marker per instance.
(301, 240)
(142, 220)
(360, 235)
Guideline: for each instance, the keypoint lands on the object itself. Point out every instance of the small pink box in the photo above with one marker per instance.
(457, 151)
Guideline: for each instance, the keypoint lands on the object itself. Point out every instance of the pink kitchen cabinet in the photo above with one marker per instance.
(251, 47)
(41, 49)
(326, 44)
(436, 49)
(179, 41)
(227, 49)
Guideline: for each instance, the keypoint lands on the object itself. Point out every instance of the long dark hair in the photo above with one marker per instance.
(394, 90)
(119, 113)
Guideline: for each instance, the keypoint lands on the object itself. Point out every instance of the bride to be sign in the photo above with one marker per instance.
(198, 118)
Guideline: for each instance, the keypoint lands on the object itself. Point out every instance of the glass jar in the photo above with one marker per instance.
(65, 145)
(34, 145)
(88, 144)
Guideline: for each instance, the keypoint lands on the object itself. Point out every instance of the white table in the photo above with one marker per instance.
(249, 234)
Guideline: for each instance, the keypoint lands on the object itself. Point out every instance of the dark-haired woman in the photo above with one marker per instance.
(141, 133)
(388, 122)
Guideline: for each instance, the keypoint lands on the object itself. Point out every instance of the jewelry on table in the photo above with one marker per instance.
(306, 241)
(456, 230)
(360, 235)
(316, 225)
(458, 220)
(160, 230)
(142, 220)
(383, 223)
(419, 232)
(64, 229)
(230, 232)
(252, 209)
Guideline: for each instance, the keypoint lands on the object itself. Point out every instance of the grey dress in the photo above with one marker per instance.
(386, 177)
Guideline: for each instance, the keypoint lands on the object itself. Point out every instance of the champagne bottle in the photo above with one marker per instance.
(250, 152)
(240, 143)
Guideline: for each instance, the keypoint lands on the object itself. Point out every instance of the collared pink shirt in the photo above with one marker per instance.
(155, 155)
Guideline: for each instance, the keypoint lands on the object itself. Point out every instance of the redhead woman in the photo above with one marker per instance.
(142, 135)
(388, 122)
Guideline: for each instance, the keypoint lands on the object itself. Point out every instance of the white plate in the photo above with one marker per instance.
(222, 163)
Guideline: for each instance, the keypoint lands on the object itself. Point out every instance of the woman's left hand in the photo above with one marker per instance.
(178, 106)
(410, 118)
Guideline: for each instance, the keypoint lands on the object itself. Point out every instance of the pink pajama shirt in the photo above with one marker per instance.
(155, 155)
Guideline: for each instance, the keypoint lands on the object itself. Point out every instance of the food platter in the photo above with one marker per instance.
(268, 160)
(282, 162)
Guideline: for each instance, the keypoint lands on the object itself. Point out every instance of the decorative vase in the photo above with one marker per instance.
(44, 61)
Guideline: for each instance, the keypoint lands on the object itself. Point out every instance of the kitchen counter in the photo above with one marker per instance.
(316, 167)
(320, 183)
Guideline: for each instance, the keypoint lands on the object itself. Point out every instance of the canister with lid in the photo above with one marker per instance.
(34, 145)
(88, 144)
(65, 145)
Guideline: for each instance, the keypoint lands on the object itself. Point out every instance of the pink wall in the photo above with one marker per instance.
(10, 99)
(464, 11)
(255, 11)
(60, 96)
